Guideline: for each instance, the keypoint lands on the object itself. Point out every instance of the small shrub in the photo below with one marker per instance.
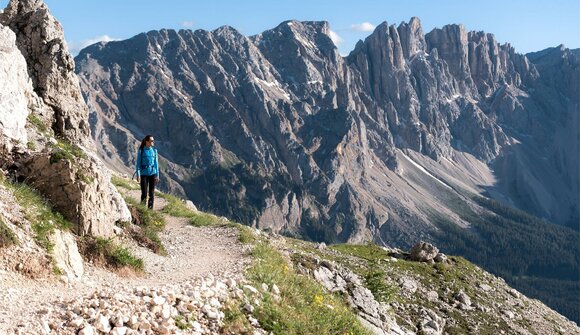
(246, 235)
(235, 321)
(105, 251)
(376, 283)
(181, 323)
(35, 120)
(152, 222)
(84, 177)
(7, 236)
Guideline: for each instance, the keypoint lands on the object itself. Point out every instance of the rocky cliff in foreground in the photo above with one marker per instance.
(44, 134)
(397, 142)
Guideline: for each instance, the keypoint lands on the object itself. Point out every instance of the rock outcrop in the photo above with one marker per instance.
(15, 91)
(78, 186)
(40, 39)
(39, 81)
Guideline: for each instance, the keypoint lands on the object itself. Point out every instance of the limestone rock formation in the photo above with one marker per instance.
(40, 39)
(15, 90)
(79, 186)
(39, 89)
(66, 255)
(319, 136)
(423, 252)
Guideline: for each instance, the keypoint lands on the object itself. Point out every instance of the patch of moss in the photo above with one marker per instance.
(181, 323)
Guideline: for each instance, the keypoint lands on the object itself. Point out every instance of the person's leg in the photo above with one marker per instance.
(143, 184)
(151, 183)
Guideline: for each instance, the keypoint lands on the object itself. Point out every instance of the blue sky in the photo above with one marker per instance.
(527, 25)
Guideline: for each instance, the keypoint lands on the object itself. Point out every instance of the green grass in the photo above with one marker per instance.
(152, 223)
(369, 251)
(246, 235)
(64, 150)
(203, 219)
(7, 236)
(42, 217)
(235, 321)
(304, 306)
(111, 254)
(35, 120)
(177, 207)
(124, 183)
(375, 281)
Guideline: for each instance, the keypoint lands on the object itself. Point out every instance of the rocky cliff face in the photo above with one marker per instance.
(44, 122)
(15, 90)
(40, 39)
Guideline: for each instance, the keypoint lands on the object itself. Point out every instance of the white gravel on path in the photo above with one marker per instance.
(192, 253)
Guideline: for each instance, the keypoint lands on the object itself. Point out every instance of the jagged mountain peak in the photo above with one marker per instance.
(368, 147)
(310, 35)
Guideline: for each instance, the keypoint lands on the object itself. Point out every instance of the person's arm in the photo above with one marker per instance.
(137, 167)
(156, 166)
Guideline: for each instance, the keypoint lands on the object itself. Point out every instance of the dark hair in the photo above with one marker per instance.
(145, 139)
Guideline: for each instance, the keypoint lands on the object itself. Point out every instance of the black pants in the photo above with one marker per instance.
(148, 183)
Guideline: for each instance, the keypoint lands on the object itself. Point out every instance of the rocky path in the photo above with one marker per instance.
(198, 259)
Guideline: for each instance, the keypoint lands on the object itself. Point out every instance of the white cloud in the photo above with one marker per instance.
(187, 24)
(335, 38)
(75, 47)
(363, 27)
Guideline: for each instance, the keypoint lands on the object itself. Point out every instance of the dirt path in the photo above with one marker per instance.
(192, 253)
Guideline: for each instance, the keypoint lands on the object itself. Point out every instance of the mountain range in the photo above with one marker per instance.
(445, 136)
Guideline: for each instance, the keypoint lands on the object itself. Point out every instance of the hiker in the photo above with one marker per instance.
(147, 170)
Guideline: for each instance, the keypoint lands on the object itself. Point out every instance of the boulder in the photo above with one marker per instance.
(79, 186)
(66, 254)
(423, 252)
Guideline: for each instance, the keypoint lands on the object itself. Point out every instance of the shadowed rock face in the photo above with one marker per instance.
(278, 130)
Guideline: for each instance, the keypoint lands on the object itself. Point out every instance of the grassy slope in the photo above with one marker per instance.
(540, 259)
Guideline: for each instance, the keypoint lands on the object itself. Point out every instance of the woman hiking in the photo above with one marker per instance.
(147, 169)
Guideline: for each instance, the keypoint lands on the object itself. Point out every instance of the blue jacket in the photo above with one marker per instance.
(147, 162)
